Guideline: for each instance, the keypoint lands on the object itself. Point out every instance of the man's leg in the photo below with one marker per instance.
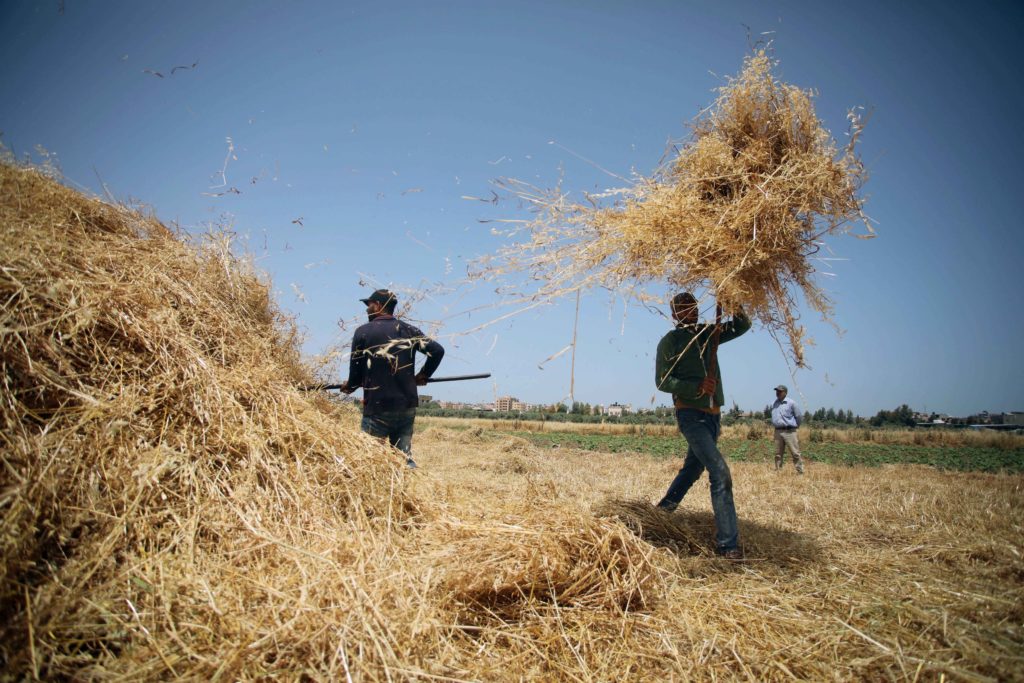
(401, 434)
(701, 432)
(780, 449)
(688, 473)
(794, 447)
(395, 427)
(374, 425)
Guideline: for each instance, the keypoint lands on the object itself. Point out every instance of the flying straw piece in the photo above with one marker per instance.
(553, 356)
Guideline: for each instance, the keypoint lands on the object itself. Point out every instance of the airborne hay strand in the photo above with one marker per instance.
(740, 212)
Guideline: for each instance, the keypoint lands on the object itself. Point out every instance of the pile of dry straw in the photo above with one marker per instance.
(739, 212)
(174, 507)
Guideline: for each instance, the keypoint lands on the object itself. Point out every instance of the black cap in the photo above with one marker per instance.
(382, 297)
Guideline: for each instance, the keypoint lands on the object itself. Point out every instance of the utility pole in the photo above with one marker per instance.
(572, 365)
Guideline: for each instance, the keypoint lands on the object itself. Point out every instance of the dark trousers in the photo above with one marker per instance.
(701, 431)
(395, 426)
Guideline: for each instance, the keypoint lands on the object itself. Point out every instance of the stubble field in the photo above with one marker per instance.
(852, 573)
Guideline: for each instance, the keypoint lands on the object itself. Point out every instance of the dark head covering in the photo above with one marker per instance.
(385, 298)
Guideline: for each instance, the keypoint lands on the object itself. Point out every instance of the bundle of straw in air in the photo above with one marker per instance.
(739, 212)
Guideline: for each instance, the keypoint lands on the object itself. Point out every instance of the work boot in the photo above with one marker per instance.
(733, 554)
(411, 463)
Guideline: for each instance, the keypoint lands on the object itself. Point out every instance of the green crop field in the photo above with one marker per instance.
(965, 458)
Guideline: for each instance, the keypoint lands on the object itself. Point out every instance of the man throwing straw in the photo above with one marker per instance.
(687, 367)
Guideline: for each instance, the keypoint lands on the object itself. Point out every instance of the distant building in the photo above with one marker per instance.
(453, 405)
(520, 407)
(618, 410)
(1013, 418)
(504, 404)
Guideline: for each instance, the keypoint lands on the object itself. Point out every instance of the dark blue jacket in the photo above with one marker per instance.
(382, 363)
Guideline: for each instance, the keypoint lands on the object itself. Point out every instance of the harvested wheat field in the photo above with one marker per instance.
(173, 507)
(897, 573)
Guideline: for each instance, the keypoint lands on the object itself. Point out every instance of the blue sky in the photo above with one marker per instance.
(358, 126)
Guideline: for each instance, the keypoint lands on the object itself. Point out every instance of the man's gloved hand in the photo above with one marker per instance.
(421, 380)
(708, 386)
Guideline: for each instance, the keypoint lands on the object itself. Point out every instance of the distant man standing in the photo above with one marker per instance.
(786, 418)
(687, 367)
(382, 364)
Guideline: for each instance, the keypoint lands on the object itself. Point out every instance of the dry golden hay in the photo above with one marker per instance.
(473, 435)
(435, 434)
(652, 524)
(515, 464)
(174, 507)
(516, 444)
(740, 212)
(167, 492)
(549, 557)
(470, 436)
(852, 573)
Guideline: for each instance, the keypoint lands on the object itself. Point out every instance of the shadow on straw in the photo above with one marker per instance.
(689, 533)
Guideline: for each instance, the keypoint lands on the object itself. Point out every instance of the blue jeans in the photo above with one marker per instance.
(395, 426)
(701, 431)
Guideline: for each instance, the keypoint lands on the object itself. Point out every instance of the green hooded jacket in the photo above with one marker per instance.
(682, 359)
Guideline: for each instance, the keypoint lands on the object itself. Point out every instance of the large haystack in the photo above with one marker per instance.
(158, 465)
(174, 507)
(738, 212)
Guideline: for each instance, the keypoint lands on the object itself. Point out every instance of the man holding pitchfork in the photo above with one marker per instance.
(383, 365)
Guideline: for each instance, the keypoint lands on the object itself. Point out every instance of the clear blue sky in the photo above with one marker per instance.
(369, 120)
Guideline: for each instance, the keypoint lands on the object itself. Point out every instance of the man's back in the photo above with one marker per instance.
(383, 363)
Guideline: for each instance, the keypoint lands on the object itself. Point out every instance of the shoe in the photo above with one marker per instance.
(800, 471)
(666, 508)
(731, 554)
(411, 463)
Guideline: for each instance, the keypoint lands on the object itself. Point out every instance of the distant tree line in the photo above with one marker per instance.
(901, 417)
(830, 417)
(580, 411)
(651, 417)
(824, 417)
